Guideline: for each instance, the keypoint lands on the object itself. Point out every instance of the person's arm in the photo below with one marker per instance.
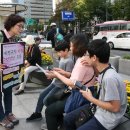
(62, 72)
(50, 75)
(84, 61)
(112, 106)
(65, 80)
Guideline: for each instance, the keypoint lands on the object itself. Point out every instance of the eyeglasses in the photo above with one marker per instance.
(20, 26)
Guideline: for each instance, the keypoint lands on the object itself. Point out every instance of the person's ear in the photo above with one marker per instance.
(94, 58)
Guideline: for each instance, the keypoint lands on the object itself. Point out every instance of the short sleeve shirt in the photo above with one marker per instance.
(66, 64)
(112, 88)
(82, 73)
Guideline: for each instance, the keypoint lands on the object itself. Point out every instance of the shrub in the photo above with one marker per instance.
(126, 57)
(46, 59)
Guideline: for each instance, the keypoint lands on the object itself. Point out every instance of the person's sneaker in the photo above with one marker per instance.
(7, 124)
(11, 117)
(18, 92)
(35, 117)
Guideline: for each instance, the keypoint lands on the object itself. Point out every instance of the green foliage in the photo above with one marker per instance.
(86, 10)
(128, 109)
(126, 57)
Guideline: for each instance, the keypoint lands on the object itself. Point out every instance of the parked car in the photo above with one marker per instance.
(45, 44)
(121, 40)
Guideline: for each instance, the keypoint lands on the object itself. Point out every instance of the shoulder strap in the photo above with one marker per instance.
(89, 80)
(104, 71)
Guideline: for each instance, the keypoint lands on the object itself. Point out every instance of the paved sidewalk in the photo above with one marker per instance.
(24, 105)
(125, 77)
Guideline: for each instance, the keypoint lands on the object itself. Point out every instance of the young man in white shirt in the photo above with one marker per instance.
(112, 102)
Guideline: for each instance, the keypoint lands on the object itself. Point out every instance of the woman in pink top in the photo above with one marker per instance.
(80, 72)
(54, 112)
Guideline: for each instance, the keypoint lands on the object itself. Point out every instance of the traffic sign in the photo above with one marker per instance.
(68, 15)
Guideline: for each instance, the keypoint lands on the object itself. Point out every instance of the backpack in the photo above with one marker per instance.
(58, 36)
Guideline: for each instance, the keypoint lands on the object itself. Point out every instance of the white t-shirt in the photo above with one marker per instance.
(112, 88)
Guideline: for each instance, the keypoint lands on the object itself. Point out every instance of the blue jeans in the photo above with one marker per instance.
(7, 100)
(92, 124)
(69, 121)
(50, 90)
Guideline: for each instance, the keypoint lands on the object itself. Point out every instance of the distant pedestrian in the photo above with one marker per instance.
(13, 25)
(52, 33)
(68, 36)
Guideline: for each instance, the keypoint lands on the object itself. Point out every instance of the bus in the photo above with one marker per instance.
(110, 29)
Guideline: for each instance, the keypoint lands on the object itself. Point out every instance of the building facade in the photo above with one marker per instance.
(39, 9)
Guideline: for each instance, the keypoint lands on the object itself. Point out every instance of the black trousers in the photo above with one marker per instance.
(54, 114)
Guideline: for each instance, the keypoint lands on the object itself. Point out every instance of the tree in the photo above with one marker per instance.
(121, 9)
(86, 10)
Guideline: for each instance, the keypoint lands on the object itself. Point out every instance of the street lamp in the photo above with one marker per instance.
(106, 11)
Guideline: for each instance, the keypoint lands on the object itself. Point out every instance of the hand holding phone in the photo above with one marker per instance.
(79, 85)
(3, 66)
(49, 68)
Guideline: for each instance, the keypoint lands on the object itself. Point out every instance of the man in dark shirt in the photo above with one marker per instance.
(52, 33)
(68, 36)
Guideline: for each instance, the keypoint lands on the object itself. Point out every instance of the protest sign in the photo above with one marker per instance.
(12, 55)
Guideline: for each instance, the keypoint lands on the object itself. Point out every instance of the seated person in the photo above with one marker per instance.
(66, 65)
(54, 112)
(112, 102)
(33, 57)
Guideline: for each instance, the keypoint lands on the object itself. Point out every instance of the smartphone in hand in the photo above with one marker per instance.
(49, 68)
(79, 85)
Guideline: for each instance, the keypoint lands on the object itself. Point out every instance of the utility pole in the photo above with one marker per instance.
(106, 11)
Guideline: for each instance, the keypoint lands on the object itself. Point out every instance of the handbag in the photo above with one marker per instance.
(62, 93)
(85, 115)
(88, 112)
(75, 100)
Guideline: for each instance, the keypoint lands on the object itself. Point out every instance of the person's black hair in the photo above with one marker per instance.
(62, 46)
(101, 49)
(80, 42)
(12, 20)
(37, 39)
